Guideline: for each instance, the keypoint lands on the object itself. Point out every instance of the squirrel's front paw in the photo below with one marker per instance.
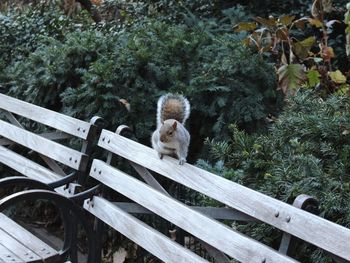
(160, 155)
(182, 161)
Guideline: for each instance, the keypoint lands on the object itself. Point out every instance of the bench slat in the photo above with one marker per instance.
(27, 167)
(28, 239)
(224, 238)
(50, 118)
(7, 256)
(313, 229)
(48, 135)
(142, 234)
(17, 248)
(56, 151)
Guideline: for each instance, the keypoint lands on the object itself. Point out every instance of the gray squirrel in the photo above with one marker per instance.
(171, 137)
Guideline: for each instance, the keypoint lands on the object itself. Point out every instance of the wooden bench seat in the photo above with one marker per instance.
(226, 242)
(54, 157)
(147, 237)
(231, 242)
(19, 245)
(35, 142)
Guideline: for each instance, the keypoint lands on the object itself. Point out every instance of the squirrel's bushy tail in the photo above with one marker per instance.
(172, 106)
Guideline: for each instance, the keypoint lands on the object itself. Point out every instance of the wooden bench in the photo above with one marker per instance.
(49, 144)
(225, 242)
(34, 142)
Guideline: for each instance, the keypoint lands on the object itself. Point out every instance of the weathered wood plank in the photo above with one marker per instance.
(214, 212)
(318, 231)
(214, 233)
(28, 239)
(27, 167)
(50, 118)
(17, 248)
(7, 256)
(142, 234)
(56, 151)
(48, 135)
(54, 166)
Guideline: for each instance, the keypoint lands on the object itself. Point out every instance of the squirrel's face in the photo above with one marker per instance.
(167, 131)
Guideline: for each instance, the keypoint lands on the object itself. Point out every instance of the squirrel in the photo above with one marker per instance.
(171, 137)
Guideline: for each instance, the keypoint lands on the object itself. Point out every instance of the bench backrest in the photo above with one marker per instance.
(57, 160)
(322, 233)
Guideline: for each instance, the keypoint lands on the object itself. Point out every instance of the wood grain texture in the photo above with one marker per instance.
(17, 248)
(142, 234)
(54, 166)
(7, 256)
(27, 239)
(50, 118)
(54, 150)
(313, 229)
(27, 167)
(214, 233)
(48, 135)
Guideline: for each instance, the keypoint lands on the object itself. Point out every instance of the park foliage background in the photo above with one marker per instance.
(268, 82)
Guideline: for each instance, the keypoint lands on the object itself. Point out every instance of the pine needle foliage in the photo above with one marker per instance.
(22, 31)
(90, 72)
(306, 152)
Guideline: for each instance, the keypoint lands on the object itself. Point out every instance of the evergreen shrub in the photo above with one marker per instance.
(306, 152)
(21, 31)
(96, 73)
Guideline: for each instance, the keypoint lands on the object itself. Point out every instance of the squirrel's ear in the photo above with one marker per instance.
(174, 125)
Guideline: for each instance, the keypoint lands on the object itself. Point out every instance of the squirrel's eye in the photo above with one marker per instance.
(170, 133)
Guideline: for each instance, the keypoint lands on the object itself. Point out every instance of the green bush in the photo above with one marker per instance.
(165, 10)
(21, 32)
(306, 152)
(88, 72)
(54, 66)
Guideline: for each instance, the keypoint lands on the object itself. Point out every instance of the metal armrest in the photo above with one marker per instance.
(22, 181)
(35, 184)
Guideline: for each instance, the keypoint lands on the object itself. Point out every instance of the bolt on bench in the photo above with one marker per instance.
(43, 156)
